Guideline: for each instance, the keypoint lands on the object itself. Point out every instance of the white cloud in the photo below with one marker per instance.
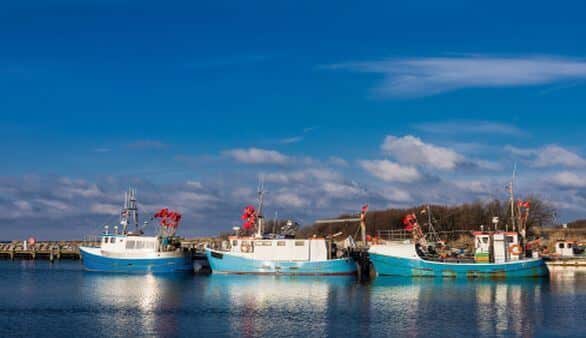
(568, 179)
(54, 206)
(549, 156)
(338, 161)
(429, 76)
(293, 139)
(397, 195)
(391, 172)
(469, 127)
(290, 199)
(341, 190)
(478, 187)
(257, 156)
(554, 155)
(302, 176)
(105, 209)
(194, 184)
(412, 150)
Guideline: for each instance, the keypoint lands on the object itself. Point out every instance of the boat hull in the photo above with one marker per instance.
(93, 261)
(224, 262)
(410, 267)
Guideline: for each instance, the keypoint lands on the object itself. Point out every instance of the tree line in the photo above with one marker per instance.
(467, 216)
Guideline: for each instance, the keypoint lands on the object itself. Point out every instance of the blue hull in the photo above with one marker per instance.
(397, 266)
(222, 262)
(94, 262)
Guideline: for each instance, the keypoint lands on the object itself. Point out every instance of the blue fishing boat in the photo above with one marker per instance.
(249, 255)
(278, 254)
(497, 254)
(132, 252)
(404, 259)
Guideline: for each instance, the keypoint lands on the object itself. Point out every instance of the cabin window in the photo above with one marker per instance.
(569, 245)
(510, 239)
(112, 240)
(129, 244)
(263, 243)
(150, 245)
(485, 240)
(299, 243)
(139, 244)
(561, 245)
(234, 243)
(281, 243)
(105, 239)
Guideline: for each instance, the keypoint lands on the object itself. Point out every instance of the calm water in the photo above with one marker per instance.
(40, 299)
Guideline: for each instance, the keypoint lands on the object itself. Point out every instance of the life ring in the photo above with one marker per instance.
(515, 249)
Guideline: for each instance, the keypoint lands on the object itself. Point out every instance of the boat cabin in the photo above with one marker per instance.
(122, 245)
(497, 247)
(565, 248)
(312, 250)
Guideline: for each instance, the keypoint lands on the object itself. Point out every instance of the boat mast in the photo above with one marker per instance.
(434, 236)
(130, 211)
(512, 196)
(261, 194)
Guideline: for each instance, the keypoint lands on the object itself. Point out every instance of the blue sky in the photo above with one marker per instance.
(335, 103)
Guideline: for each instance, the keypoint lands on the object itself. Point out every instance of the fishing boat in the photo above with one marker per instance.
(277, 254)
(132, 252)
(501, 259)
(497, 254)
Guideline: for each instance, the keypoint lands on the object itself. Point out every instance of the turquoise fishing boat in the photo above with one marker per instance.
(497, 254)
(395, 258)
(278, 257)
(278, 254)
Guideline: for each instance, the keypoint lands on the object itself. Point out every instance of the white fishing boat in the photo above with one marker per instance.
(132, 252)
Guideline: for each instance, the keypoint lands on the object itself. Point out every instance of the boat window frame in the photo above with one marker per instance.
(130, 244)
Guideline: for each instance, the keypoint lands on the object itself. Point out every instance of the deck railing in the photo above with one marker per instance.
(402, 235)
(394, 235)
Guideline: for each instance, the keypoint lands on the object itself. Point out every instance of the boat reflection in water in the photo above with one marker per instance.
(140, 304)
(454, 307)
(285, 305)
(252, 305)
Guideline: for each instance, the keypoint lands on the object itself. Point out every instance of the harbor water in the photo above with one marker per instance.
(38, 298)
